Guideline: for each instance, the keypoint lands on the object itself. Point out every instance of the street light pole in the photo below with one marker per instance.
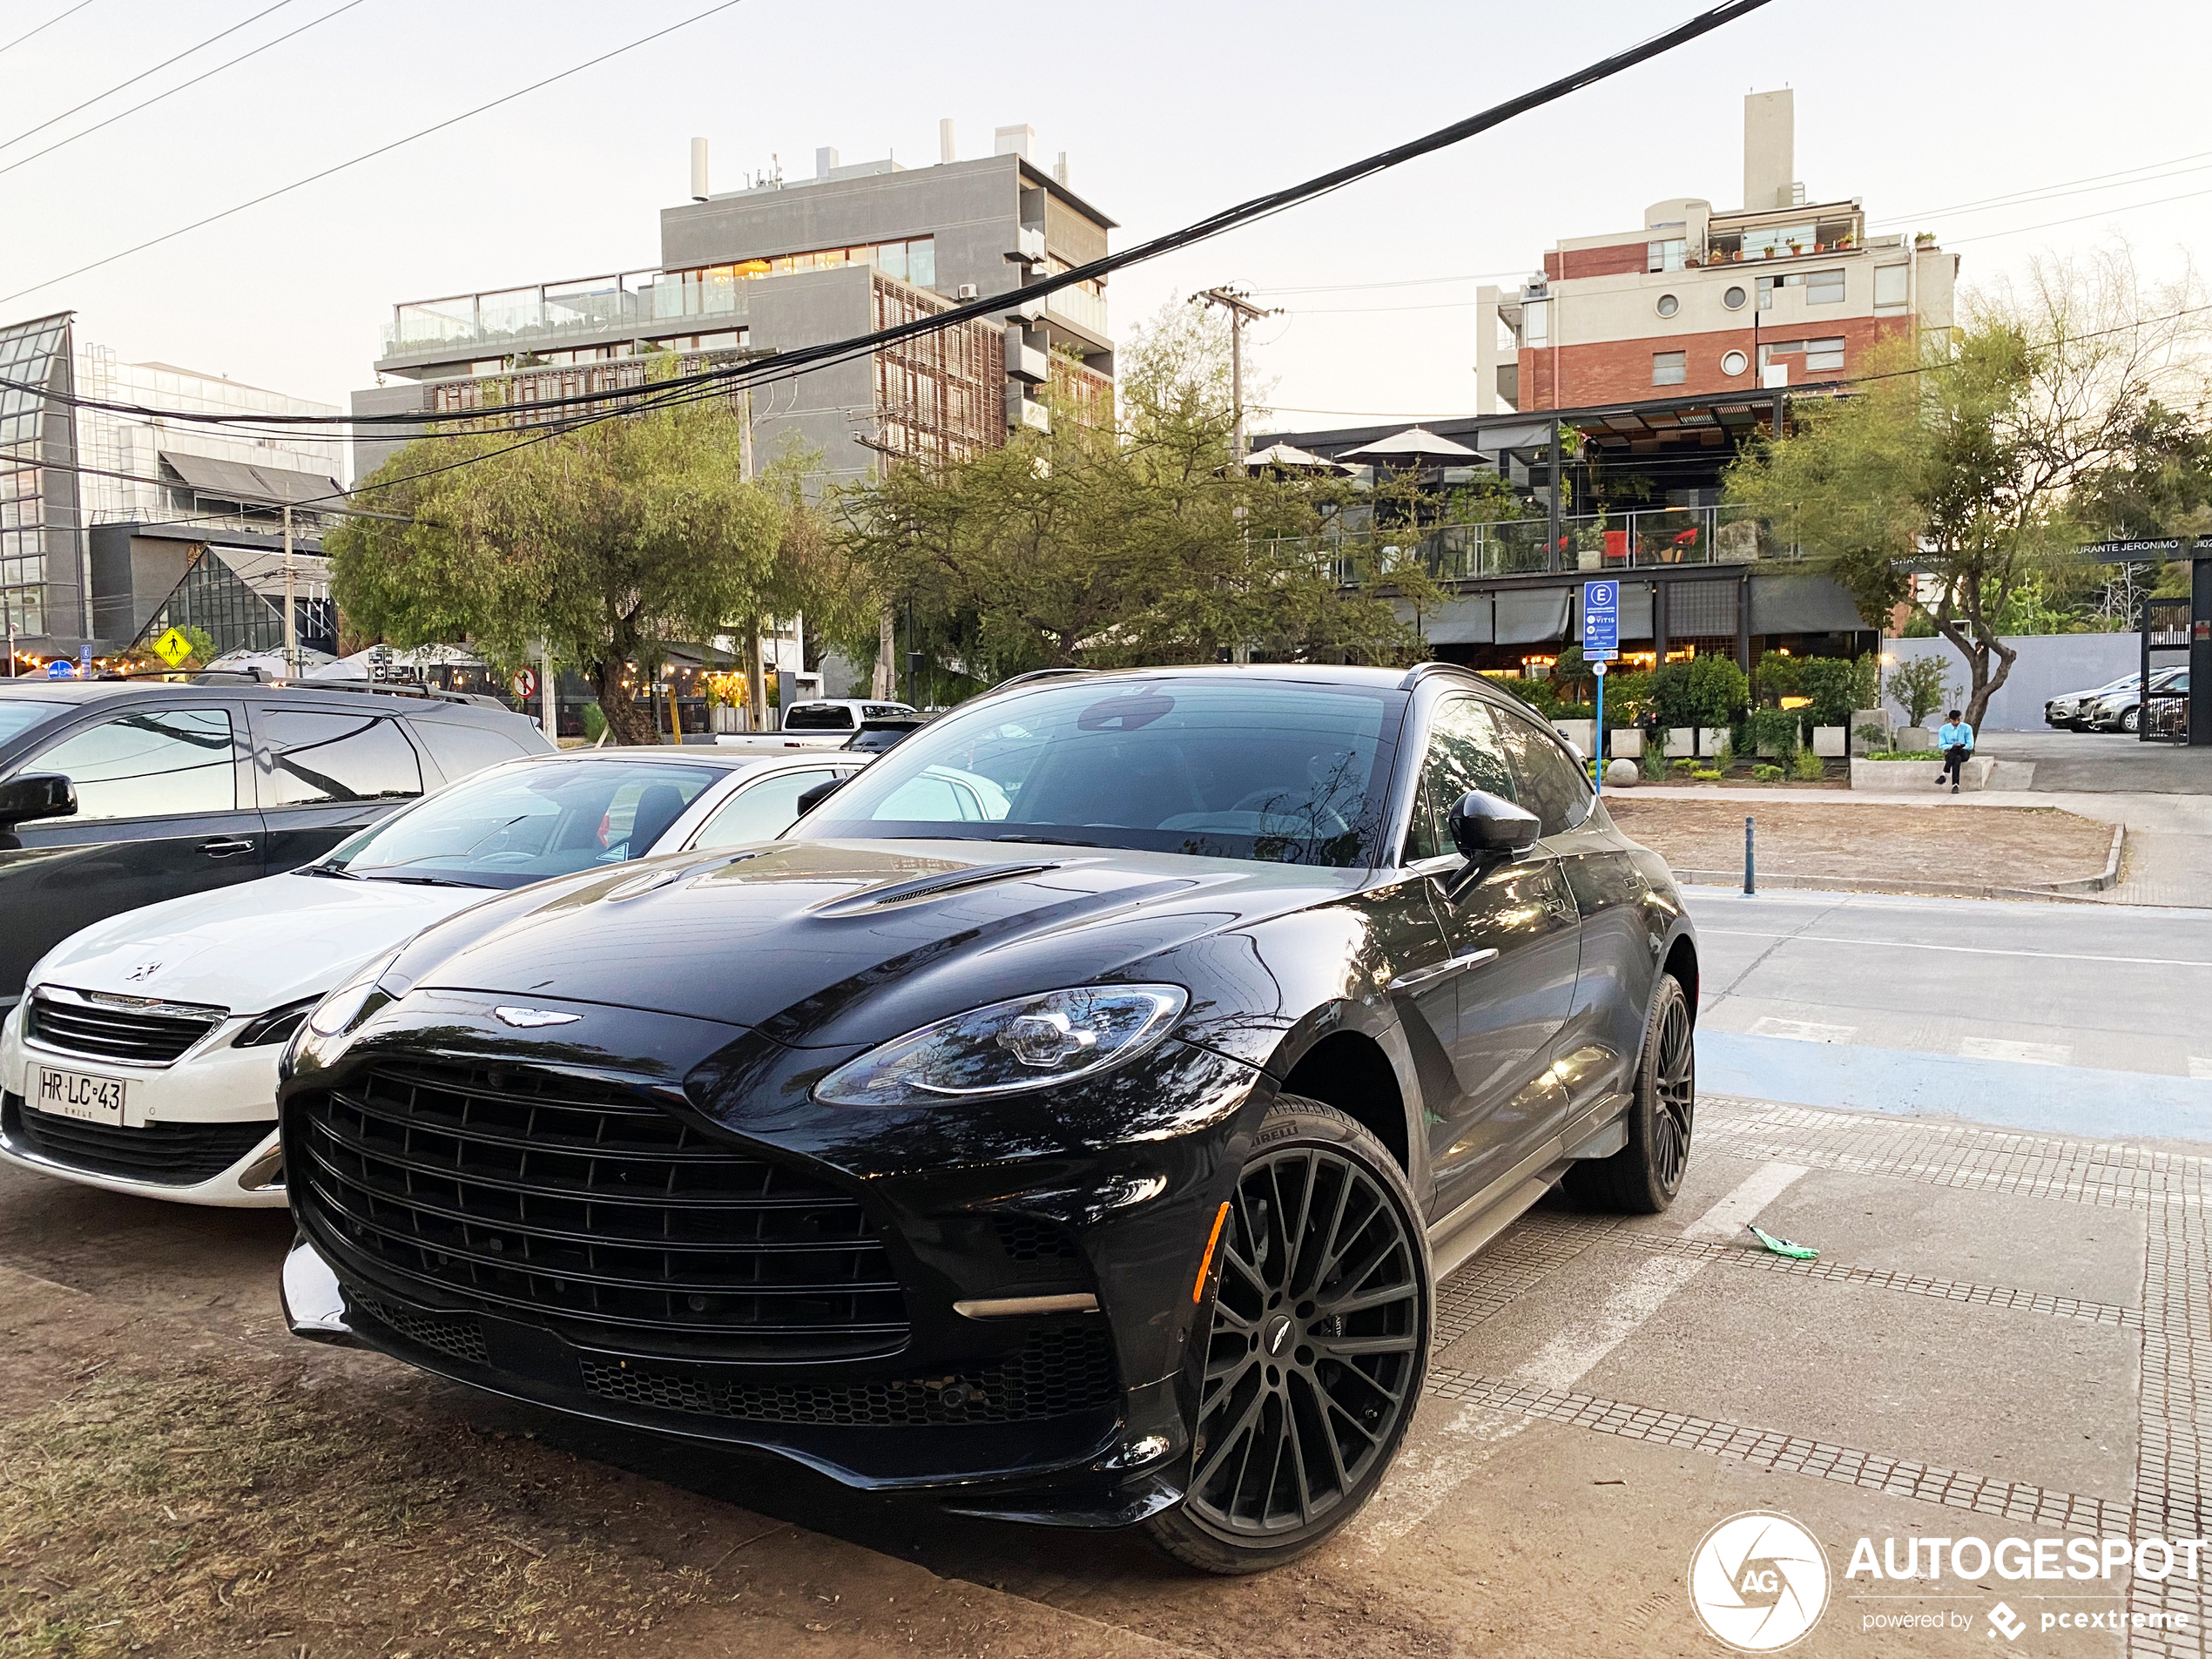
(1241, 311)
(291, 612)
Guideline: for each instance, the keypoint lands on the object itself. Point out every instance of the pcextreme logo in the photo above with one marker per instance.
(1758, 1581)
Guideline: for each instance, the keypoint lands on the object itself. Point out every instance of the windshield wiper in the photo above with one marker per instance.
(1048, 840)
(425, 880)
(327, 869)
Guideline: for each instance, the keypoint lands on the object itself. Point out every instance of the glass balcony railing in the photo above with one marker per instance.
(526, 318)
(1595, 543)
(1081, 307)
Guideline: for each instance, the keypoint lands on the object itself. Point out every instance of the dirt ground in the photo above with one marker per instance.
(2001, 846)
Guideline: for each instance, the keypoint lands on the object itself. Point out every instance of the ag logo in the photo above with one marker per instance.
(1758, 1581)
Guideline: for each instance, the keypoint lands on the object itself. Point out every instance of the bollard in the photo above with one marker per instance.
(1750, 884)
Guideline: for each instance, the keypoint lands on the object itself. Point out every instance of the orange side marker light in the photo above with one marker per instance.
(1205, 1262)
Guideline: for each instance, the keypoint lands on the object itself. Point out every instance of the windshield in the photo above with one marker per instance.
(523, 823)
(21, 713)
(1214, 767)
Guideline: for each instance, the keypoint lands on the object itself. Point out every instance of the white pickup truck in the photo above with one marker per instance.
(824, 723)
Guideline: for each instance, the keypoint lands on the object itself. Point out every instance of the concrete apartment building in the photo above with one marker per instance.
(114, 526)
(1700, 302)
(785, 263)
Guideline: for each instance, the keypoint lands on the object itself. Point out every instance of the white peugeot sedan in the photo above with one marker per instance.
(143, 1056)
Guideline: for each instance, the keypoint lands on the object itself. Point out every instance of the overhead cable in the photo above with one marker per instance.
(370, 155)
(6, 143)
(44, 26)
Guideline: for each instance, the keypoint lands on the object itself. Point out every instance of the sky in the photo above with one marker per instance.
(1167, 111)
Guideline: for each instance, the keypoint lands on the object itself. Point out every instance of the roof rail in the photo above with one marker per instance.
(1038, 674)
(1420, 671)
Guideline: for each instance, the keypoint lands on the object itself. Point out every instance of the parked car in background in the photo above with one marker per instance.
(2071, 711)
(2122, 710)
(144, 1057)
(875, 735)
(1070, 1116)
(823, 723)
(118, 793)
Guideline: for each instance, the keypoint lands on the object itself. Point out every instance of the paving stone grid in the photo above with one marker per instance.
(2170, 1498)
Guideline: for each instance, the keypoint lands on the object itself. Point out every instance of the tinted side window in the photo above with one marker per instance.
(818, 718)
(325, 758)
(140, 765)
(1552, 787)
(1464, 753)
(460, 750)
(760, 812)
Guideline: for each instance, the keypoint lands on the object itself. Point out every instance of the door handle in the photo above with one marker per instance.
(1459, 964)
(224, 848)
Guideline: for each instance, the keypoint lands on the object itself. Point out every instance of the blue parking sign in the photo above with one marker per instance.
(1600, 619)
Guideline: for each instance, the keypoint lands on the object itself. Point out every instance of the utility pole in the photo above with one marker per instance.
(1241, 311)
(291, 611)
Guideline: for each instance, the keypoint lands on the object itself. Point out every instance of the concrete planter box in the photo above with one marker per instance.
(1625, 742)
(1831, 742)
(1711, 739)
(1581, 733)
(1897, 775)
(1910, 739)
(1681, 742)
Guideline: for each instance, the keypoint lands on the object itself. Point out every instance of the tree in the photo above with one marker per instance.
(1973, 459)
(609, 541)
(1706, 691)
(1143, 544)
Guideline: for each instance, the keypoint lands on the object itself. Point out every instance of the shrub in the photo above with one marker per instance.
(1725, 761)
(1872, 736)
(595, 722)
(1655, 764)
(1779, 675)
(1706, 775)
(1684, 764)
(1709, 690)
(1774, 731)
(1836, 687)
(1807, 767)
(1767, 774)
(1920, 686)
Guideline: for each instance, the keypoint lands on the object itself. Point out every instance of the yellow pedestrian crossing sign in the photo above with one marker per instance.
(173, 647)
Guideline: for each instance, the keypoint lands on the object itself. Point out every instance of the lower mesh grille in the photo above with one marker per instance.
(177, 1155)
(462, 1338)
(1055, 1373)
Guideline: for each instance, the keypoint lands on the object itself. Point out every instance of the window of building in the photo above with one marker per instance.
(1823, 288)
(1535, 322)
(1777, 241)
(1892, 285)
(1734, 362)
(146, 765)
(1667, 255)
(323, 758)
(1818, 354)
(1734, 299)
(1669, 304)
(1669, 368)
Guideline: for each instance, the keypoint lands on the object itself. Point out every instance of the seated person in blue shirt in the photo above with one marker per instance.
(1956, 739)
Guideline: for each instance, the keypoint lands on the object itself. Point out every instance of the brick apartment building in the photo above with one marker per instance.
(1700, 302)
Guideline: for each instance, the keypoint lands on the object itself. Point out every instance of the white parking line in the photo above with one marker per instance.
(2034, 1054)
(2201, 1067)
(1772, 1025)
(1960, 950)
(1423, 1482)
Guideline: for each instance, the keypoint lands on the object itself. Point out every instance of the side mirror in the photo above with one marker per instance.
(810, 798)
(40, 795)
(1487, 830)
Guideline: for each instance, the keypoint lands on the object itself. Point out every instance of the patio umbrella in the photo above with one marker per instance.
(1289, 455)
(1415, 444)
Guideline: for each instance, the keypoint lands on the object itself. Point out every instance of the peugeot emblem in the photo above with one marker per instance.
(144, 970)
(529, 1017)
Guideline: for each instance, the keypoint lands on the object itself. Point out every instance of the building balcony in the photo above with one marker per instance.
(1082, 308)
(559, 314)
(1593, 544)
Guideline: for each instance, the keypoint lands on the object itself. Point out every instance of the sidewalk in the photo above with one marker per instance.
(2169, 855)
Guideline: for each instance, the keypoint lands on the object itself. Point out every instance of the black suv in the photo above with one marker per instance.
(117, 794)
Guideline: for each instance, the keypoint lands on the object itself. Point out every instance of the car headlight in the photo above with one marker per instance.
(337, 1012)
(1026, 1042)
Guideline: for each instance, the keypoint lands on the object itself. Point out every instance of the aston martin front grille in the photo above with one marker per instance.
(587, 1206)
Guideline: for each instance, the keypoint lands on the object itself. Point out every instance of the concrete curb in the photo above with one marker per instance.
(2057, 891)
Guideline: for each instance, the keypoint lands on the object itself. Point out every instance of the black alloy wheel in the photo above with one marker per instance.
(1316, 1345)
(1644, 1176)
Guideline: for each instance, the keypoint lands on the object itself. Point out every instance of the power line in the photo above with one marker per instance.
(1407, 282)
(2033, 192)
(2051, 224)
(10, 143)
(182, 85)
(791, 363)
(386, 149)
(49, 24)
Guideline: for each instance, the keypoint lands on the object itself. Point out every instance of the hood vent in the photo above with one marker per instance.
(930, 887)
